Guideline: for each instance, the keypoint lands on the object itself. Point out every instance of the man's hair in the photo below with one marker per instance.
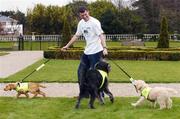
(82, 9)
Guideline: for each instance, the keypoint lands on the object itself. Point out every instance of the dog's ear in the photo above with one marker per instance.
(136, 84)
(140, 84)
(12, 86)
(103, 65)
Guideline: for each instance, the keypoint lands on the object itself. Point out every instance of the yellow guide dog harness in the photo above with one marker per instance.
(22, 87)
(145, 92)
(104, 75)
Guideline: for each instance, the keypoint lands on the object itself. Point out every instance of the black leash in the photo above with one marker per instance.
(120, 68)
(131, 79)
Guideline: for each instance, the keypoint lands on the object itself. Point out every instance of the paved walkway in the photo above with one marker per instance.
(17, 60)
(71, 89)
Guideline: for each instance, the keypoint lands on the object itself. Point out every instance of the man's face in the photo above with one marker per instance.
(85, 15)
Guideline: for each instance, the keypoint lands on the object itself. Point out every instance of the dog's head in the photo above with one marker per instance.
(9, 87)
(140, 85)
(103, 65)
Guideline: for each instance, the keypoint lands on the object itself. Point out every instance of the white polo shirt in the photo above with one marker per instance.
(91, 30)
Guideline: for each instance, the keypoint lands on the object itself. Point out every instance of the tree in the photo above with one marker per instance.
(7, 13)
(121, 21)
(109, 22)
(106, 12)
(98, 8)
(150, 13)
(45, 20)
(151, 10)
(118, 3)
(66, 32)
(115, 20)
(20, 17)
(54, 19)
(38, 19)
(130, 22)
(164, 37)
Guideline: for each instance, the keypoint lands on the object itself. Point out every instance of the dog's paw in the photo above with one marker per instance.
(102, 103)
(112, 100)
(91, 107)
(77, 107)
(133, 104)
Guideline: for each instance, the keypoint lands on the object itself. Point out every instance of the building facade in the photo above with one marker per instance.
(10, 26)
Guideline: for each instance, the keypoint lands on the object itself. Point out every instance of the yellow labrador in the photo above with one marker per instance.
(160, 95)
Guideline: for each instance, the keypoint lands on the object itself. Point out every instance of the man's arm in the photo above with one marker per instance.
(103, 42)
(73, 39)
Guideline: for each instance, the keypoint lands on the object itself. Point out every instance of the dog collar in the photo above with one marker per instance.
(145, 92)
(104, 75)
(22, 86)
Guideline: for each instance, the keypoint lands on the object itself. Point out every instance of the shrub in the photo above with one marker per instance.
(164, 37)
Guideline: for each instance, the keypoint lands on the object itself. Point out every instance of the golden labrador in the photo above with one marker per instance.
(25, 88)
(160, 95)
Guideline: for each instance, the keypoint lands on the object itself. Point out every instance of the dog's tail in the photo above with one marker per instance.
(172, 91)
(42, 86)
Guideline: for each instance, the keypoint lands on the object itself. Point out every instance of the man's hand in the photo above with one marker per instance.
(105, 52)
(64, 48)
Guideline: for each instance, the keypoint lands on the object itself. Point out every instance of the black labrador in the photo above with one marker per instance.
(95, 81)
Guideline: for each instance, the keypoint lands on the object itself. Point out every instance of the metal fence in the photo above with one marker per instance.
(109, 37)
(31, 37)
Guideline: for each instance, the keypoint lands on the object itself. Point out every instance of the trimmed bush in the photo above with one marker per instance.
(120, 54)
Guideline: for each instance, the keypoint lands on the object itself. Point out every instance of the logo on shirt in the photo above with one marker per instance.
(85, 31)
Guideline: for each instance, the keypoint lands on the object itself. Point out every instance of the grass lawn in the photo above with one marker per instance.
(63, 108)
(3, 53)
(66, 71)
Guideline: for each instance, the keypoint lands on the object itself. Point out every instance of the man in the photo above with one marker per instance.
(91, 29)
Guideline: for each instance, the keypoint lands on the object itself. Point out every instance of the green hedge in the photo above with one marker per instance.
(120, 54)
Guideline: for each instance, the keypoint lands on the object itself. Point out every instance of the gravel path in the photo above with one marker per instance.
(17, 60)
(71, 89)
